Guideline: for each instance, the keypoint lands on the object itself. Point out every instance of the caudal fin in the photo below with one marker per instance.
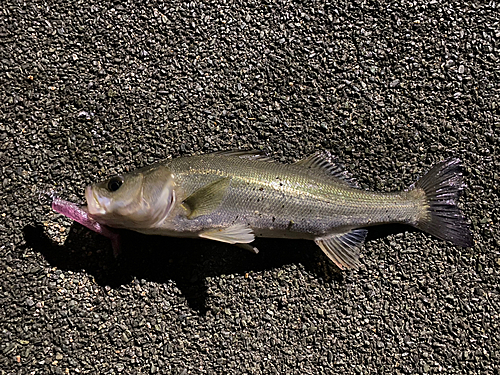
(442, 186)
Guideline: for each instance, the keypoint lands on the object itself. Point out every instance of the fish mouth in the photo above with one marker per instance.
(95, 206)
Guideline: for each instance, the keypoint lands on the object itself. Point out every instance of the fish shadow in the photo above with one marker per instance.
(185, 261)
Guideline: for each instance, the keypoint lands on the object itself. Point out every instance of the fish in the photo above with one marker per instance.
(235, 196)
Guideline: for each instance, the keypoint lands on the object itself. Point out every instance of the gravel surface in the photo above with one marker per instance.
(91, 88)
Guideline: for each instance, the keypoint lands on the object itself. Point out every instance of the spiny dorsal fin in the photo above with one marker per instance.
(250, 155)
(206, 199)
(343, 248)
(236, 234)
(324, 161)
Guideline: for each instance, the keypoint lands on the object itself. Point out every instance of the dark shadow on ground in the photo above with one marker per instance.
(186, 261)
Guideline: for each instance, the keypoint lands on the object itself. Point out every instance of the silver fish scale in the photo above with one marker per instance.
(286, 200)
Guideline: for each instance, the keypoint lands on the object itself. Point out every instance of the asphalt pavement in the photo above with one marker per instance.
(94, 88)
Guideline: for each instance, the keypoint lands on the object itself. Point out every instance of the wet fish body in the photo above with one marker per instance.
(275, 200)
(234, 196)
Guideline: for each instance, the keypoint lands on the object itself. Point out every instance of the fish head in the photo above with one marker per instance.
(140, 199)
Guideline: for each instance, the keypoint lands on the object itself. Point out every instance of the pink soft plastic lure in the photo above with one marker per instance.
(79, 214)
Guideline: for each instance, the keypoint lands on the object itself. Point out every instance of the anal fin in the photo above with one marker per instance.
(236, 234)
(343, 248)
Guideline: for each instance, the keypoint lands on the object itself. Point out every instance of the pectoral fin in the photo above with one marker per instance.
(206, 199)
(238, 233)
(343, 248)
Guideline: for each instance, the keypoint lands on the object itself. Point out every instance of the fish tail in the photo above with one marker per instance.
(442, 217)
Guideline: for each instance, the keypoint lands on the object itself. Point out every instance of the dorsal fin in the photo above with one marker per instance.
(243, 154)
(325, 162)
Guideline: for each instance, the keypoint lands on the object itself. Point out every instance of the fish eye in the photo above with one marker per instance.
(115, 183)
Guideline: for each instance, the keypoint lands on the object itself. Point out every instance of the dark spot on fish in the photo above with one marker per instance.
(261, 189)
(274, 219)
(290, 223)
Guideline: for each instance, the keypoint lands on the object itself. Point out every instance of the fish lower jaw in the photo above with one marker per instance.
(96, 211)
(94, 206)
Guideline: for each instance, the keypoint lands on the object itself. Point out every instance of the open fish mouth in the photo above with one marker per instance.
(95, 205)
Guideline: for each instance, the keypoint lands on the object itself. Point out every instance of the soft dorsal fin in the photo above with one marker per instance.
(206, 199)
(250, 155)
(343, 248)
(324, 161)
